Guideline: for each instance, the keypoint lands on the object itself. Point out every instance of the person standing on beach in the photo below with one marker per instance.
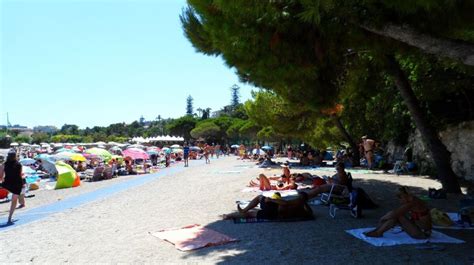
(186, 154)
(289, 151)
(369, 146)
(207, 151)
(10, 175)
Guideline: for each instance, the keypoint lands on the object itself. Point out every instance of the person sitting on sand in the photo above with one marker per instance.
(285, 182)
(413, 216)
(274, 208)
(340, 178)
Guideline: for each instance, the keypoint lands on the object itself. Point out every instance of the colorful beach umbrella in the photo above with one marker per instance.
(104, 154)
(135, 153)
(66, 175)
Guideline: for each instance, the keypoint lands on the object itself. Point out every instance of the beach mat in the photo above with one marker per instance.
(396, 236)
(250, 220)
(193, 237)
(458, 224)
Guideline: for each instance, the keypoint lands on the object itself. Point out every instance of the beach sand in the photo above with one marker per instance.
(116, 229)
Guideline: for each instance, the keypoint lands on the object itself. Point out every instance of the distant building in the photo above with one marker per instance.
(45, 129)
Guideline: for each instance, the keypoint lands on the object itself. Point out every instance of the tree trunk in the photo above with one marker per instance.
(350, 140)
(457, 50)
(439, 152)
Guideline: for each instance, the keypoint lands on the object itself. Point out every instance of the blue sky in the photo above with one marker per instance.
(94, 63)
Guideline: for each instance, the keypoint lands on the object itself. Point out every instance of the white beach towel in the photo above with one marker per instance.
(396, 236)
(457, 223)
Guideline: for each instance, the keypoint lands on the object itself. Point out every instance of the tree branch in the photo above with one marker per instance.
(460, 51)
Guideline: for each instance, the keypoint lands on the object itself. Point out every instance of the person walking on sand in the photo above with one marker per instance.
(207, 151)
(369, 146)
(186, 155)
(10, 175)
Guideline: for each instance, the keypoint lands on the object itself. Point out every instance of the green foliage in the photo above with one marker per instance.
(66, 138)
(39, 137)
(21, 138)
(182, 126)
(5, 140)
(207, 130)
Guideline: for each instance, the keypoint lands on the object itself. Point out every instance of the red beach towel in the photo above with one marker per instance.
(193, 237)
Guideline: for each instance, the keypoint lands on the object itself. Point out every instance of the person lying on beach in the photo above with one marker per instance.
(285, 182)
(340, 178)
(274, 208)
(413, 216)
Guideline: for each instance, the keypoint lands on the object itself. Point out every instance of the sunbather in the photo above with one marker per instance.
(274, 208)
(340, 178)
(413, 216)
(285, 182)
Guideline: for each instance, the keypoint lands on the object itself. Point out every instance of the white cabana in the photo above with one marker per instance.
(162, 138)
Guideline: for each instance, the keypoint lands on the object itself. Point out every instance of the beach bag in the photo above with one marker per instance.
(33, 186)
(3, 193)
(440, 218)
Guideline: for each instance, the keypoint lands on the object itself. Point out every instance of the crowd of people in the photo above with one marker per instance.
(413, 215)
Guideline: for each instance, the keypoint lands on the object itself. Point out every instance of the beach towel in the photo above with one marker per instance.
(396, 236)
(457, 223)
(250, 220)
(193, 237)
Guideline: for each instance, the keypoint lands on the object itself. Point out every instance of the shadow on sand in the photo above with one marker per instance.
(324, 239)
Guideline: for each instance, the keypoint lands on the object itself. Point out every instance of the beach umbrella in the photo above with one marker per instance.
(25, 144)
(27, 161)
(260, 151)
(177, 150)
(266, 147)
(139, 146)
(235, 146)
(115, 148)
(47, 164)
(152, 152)
(195, 148)
(14, 144)
(70, 156)
(62, 150)
(104, 154)
(66, 175)
(135, 153)
(61, 156)
(175, 146)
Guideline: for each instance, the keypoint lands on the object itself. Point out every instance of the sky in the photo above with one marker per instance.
(93, 63)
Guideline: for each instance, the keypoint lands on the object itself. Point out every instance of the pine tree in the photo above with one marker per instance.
(189, 105)
(235, 96)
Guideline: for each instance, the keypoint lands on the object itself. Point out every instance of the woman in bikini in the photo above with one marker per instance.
(413, 216)
(285, 182)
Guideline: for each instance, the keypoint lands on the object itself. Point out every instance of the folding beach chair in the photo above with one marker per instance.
(347, 200)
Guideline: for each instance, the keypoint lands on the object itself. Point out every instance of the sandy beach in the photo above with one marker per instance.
(116, 228)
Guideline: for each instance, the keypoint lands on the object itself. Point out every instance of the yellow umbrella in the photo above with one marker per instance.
(77, 157)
